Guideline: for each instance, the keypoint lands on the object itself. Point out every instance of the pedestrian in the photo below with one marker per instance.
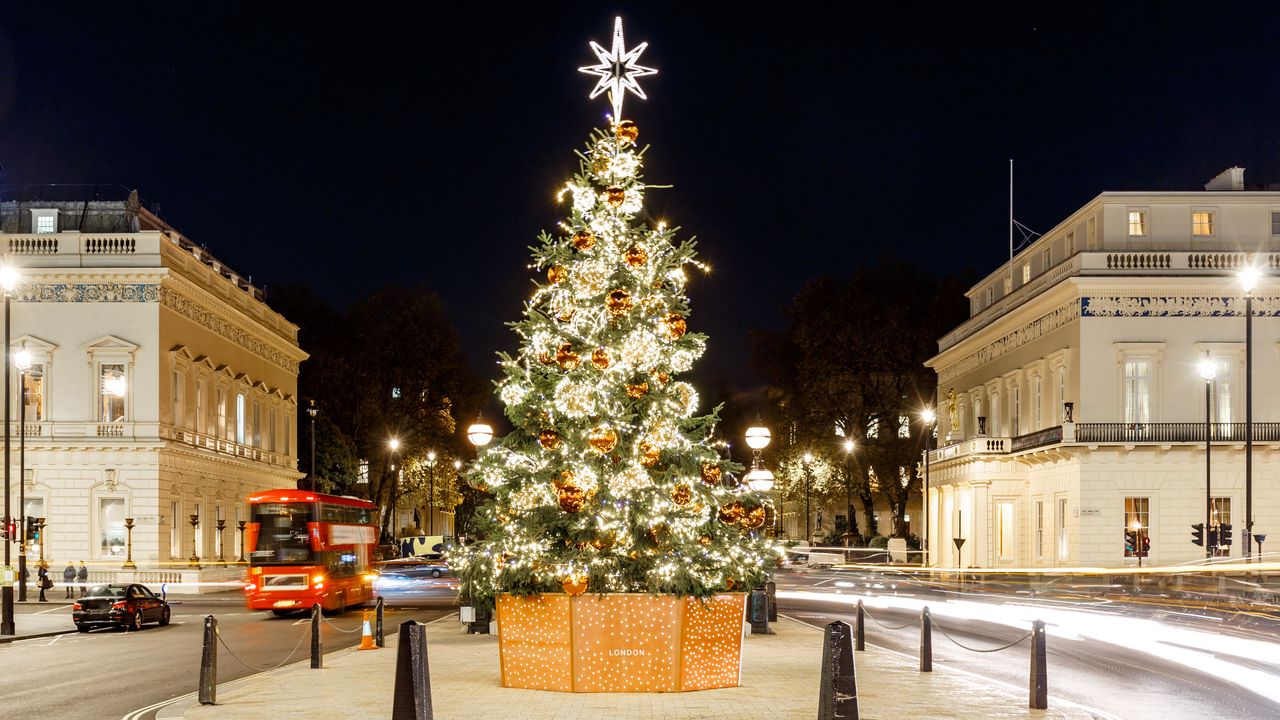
(69, 578)
(83, 576)
(45, 581)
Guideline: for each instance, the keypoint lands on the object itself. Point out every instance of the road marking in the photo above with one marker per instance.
(55, 639)
(136, 714)
(303, 621)
(52, 609)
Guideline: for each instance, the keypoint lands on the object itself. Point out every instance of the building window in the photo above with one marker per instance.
(977, 413)
(111, 527)
(175, 550)
(1026, 273)
(271, 429)
(1008, 284)
(112, 388)
(1046, 258)
(1062, 393)
(904, 426)
(1275, 222)
(1037, 404)
(1137, 223)
(240, 418)
(199, 533)
(991, 295)
(1221, 392)
(1202, 222)
(257, 424)
(1015, 411)
(1071, 243)
(200, 411)
(1091, 227)
(217, 534)
(1137, 527)
(33, 392)
(1062, 529)
(1221, 515)
(873, 427)
(46, 224)
(288, 435)
(179, 399)
(1137, 391)
(1006, 532)
(1039, 529)
(221, 406)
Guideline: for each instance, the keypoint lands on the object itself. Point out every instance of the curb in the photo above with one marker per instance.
(15, 638)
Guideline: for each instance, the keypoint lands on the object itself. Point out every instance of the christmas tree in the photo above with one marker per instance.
(609, 482)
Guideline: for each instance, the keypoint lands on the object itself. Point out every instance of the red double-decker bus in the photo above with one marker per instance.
(306, 548)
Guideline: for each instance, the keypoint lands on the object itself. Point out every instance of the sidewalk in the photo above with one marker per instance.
(779, 680)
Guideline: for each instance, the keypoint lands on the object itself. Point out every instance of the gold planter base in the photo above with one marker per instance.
(621, 642)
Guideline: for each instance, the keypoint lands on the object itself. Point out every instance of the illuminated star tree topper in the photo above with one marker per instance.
(618, 70)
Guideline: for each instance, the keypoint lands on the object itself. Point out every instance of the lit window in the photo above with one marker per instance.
(111, 527)
(1221, 391)
(46, 224)
(1137, 527)
(1221, 515)
(1036, 402)
(1006, 532)
(904, 426)
(1046, 257)
(33, 392)
(179, 409)
(1137, 222)
(1137, 391)
(1275, 222)
(1202, 222)
(112, 388)
(873, 428)
(1026, 273)
(240, 419)
(221, 406)
(1015, 412)
(200, 419)
(257, 424)
(991, 295)
(1039, 528)
(1071, 244)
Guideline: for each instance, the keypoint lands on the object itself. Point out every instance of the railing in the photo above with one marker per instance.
(1173, 432)
(111, 430)
(110, 245)
(229, 447)
(33, 245)
(1138, 261)
(1048, 436)
(976, 446)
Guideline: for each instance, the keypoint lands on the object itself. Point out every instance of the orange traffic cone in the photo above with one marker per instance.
(366, 637)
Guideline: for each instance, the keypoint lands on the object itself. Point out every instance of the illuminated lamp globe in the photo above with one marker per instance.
(1208, 369)
(759, 479)
(848, 446)
(758, 437)
(8, 277)
(928, 415)
(22, 360)
(808, 458)
(1248, 277)
(480, 433)
(394, 444)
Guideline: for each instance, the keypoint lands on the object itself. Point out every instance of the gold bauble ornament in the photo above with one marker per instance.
(566, 315)
(583, 240)
(731, 513)
(618, 302)
(566, 358)
(556, 274)
(627, 131)
(663, 378)
(704, 539)
(600, 358)
(574, 584)
(602, 440)
(681, 494)
(675, 326)
(546, 358)
(728, 584)
(659, 532)
(637, 391)
(614, 196)
(711, 473)
(601, 543)
(636, 256)
(600, 165)
(754, 518)
(548, 438)
(571, 497)
(649, 454)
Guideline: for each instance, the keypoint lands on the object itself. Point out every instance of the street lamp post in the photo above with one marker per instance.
(849, 447)
(431, 493)
(1208, 370)
(240, 526)
(1248, 280)
(312, 410)
(8, 281)
(22, 361)
(222, 526)
(194, 560)
(760, 478)
(808, 492)
(930, 419)
(128, 558)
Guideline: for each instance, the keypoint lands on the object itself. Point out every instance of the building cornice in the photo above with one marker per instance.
(184, 297)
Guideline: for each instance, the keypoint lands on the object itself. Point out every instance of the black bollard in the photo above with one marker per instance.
(317, 648)
(412, 695)
(378, 638)
(860, 629)
(209, 662)
(1039, 671)
(838, 694)
(771, 590)
(758, 612)
(926, 641)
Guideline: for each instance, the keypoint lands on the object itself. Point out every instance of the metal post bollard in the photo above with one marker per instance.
(209, 662)
(926, 641)
(412, 695)
(771, 589)
(317, 648)
(860, 629)
(378, 638)
(838, 694)
(1039, 671)
(758, 612)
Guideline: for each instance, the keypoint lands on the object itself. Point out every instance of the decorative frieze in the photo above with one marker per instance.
(197, 313)
(1176, 306)
(88, 292)
(1041, 326)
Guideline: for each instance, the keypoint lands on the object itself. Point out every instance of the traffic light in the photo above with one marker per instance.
(1224, 534)
(11, 531)
(1213, 537)
(1197, 534)
(33, 530)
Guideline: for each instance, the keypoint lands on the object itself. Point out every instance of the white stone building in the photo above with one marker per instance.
(1111, 312)
(162, 387)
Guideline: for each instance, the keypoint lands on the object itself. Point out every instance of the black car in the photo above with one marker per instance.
(128, 606)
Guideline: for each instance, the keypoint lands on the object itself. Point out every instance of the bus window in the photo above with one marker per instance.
(283, 538)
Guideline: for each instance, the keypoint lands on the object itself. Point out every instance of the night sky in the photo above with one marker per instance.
(350, 145)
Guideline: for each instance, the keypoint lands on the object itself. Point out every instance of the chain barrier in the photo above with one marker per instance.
(980, 650)
(328, 622)
(908, 623)
(255, 667)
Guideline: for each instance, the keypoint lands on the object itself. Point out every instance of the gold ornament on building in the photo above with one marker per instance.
(711, 473)
(583, 240)
(681, 494)
(628, 131)
(566, 358)
(636, 256)
(614, 196)
(649, 454)
(556, 274)
(549, 439)
(637, 391)
(675, 326)
(600, 358)
(574, 584)
(618, 302)
(602, 440)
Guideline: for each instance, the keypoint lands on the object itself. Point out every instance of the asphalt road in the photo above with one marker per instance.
(110, 673)
(1119, 682)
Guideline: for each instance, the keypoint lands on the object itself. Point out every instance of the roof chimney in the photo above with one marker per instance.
(1229, 180)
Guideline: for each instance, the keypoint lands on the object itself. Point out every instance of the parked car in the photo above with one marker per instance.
(415, 567)
(128, 606)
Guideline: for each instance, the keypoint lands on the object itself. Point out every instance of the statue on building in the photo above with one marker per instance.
(953, 411)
